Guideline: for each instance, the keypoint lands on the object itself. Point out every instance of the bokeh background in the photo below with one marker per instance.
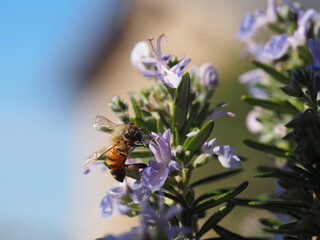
(61, 62)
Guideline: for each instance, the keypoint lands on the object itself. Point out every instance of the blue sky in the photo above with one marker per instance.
(40, 41)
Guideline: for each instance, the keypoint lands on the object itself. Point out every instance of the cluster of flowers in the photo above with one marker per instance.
(177, 113)
(287, 20)
(284, 90)
(287, 48)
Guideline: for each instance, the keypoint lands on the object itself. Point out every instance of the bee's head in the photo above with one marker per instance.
(133, 133)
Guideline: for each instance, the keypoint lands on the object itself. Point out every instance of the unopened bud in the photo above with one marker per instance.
(201, 160)
(180, 152)
(118, 105)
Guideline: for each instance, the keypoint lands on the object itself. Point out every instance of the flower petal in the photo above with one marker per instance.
(276, 47)
(253, 77)
(138, 53)
(116, 191)
(193, 133)
(106, 207)
(174, 210)
(226, 156)
(173, 165)
(253, 124)
(248, 27)
(207, 147)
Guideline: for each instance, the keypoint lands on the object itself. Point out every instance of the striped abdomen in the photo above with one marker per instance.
(115, 162)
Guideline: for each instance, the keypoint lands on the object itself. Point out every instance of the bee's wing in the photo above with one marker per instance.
(93, 157)
(102, 123)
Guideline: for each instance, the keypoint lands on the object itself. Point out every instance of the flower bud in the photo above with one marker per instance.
(180, 152)
(201, 160)
(118, 105)
(208, 75)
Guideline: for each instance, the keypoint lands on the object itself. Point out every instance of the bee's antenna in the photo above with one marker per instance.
(145, 131)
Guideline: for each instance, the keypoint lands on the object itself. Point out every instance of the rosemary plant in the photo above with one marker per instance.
(177, 117)
(284, 90)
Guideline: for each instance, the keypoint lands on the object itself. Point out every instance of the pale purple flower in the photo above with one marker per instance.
(112, 200)
(169, 76)
(294, 7)
(315, 51)
(155, 175)
(140, 192)
(226, 156)
(208, 147)
(250, 23)
(224, 153)
(215, 114)
(299, 36)
(271, 15)
(248, 27)
(134, 234)
(253, 77)
(154, 223)
(160, 219)
(276, 47)
(208, 75)
(193, 133)
(253, 124)
(139, 52)
(107, 207)
(256, 50)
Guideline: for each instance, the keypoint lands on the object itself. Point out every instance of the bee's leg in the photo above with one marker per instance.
(138, 145)
(134, 167)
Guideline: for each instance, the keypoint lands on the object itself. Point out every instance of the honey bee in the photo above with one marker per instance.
(124, 139)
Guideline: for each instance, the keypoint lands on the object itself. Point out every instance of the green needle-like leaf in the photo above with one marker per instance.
(273, 206)
(270, 222)
(149, 124)
(279, 106)
(216, 177)
(267, 148)
(280, 77)
(193, 144)
(181, 103)
(216, 200)
(210, 194)
(296, 232)
(262, 204)
(203, 114)
(215, 218)
(136, 107)
(191, 117)
(289, 177)
(189, 196)
(226, 234)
